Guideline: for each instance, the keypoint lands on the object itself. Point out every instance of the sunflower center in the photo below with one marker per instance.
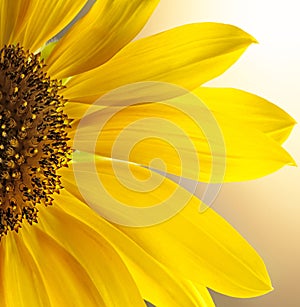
(33, 137)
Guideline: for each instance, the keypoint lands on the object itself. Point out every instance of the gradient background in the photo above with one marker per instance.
(265, 211)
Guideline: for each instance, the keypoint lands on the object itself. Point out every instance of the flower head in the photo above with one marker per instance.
(54, 249)
(33, 137)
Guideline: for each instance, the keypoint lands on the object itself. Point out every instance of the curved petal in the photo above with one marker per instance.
(44, 19)
(93, 40)
(61, 272)
(12, 17)
(76, 111)
(148, 275)
(124, 189)
(175, 292)
(22, 280)
(186, 137)
(147, 272)
(206, 297)
(249, 109)
(97, 259)
(187, 56)
(208, 250)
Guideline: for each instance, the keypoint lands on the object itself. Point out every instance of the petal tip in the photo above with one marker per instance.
(269, 288)
(254, 40)
(293, 163)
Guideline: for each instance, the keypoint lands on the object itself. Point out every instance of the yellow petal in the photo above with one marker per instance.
(148, 273)
(12, 17)
(76, 111)
(202, 248)
(150, 276)
(181, 137)
(205, 249)
(96, 256)
(2, 265)
(99, 35)
(248, 109)
(124, 189)
(68, 276)
(206, 299)
(22, 280)
(188, 56)
(45, 19)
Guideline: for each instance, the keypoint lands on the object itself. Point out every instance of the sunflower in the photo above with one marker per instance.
(55, 250)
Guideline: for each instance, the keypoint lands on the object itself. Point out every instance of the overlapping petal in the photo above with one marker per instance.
(12, 18)
(185, 138)
(208, 251)
(187, 56)
(93, 40)
(202, 248)
(155, 283)
(121, 185)
(21, 281)
(162, 288)
(249, 110)
(75, 263)
(45, 19)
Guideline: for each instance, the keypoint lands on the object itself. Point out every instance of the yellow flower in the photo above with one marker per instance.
(66, 254)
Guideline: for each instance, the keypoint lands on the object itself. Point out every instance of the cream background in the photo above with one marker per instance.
(265, 211)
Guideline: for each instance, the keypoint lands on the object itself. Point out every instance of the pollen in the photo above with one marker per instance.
(33, 137)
